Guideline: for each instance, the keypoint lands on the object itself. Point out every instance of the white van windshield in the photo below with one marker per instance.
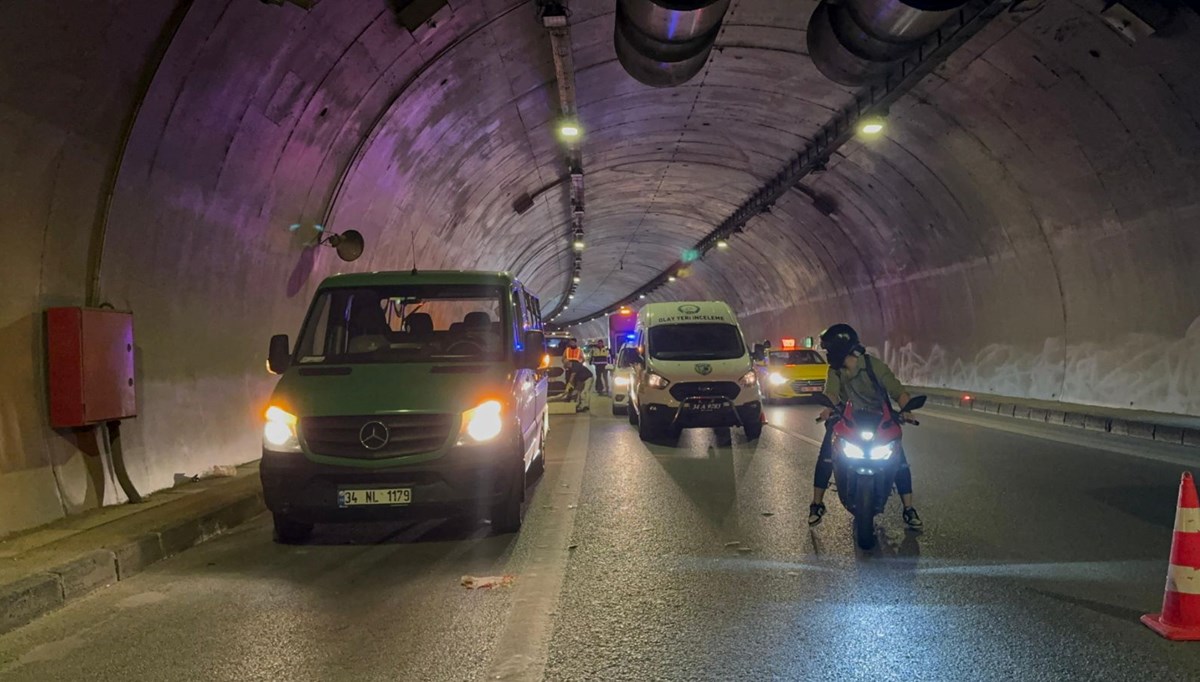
(700, 341)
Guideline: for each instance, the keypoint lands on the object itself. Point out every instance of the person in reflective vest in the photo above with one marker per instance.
(572, 353)
(600, 362)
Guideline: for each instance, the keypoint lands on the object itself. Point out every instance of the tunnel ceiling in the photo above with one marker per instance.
(476, 129)
(423, 139)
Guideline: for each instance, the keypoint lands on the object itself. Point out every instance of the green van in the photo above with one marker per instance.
(407, 395)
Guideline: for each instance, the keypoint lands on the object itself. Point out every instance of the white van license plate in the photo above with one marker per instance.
(374, 496)
(707, 406)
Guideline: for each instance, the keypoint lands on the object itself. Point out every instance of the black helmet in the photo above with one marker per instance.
(840, 341)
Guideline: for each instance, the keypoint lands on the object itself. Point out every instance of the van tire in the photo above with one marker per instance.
(645, 431)
(619, 410)
(633, 415)
(289, 532)
(506, 515)
(753, 431)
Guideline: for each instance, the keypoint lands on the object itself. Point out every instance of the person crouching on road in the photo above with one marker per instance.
(581, 383)
(866, 381)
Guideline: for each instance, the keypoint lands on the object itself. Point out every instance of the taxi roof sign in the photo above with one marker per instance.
(788, 343)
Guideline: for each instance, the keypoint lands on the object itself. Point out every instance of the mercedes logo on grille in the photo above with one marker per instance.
(373, 435)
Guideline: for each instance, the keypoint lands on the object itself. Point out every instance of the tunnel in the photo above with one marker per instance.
(1027, 224)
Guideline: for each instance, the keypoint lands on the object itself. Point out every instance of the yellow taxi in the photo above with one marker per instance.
(791, 372)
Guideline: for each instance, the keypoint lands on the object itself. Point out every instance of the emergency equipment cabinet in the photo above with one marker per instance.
(90, 366)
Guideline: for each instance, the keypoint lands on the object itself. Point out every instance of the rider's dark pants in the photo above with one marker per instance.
(824, 468)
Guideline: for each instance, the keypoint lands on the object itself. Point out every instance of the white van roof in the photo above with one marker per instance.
(685, 312)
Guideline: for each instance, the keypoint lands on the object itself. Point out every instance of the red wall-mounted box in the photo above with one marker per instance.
(90, 355)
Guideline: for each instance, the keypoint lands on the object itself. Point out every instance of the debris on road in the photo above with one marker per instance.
(732, 543)
(745, 550)
(768, 513)
(476, 583)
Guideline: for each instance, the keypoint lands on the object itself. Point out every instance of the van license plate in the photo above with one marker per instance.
(708, 406)
(386, 496)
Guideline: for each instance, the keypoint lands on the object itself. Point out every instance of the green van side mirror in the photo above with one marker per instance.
(279, 356)
(535, 350)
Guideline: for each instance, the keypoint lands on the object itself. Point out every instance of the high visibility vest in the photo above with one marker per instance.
(573, 354)
(600, 356)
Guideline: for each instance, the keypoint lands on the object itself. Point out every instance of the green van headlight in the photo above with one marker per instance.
(482, 423)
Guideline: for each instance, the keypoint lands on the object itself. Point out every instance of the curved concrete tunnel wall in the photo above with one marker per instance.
(1028, 225)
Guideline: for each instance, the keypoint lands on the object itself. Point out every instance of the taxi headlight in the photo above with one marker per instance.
(621, 381)
(852, 451)
(656, 381)
(777, 379)
(279, 433)
(749, 379)
(482, 423)
(881, 451)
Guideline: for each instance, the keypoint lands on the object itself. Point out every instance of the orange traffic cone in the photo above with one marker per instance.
(1180, 617)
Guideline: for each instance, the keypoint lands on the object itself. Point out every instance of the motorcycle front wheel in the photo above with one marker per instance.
(864, 513)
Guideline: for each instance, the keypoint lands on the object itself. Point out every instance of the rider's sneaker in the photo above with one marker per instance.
(816, 512)
(912, 518)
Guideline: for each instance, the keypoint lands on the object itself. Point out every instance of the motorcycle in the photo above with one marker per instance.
(866, 448)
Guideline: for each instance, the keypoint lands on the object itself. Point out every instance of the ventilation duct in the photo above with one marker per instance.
(663, 43)
(855, 42)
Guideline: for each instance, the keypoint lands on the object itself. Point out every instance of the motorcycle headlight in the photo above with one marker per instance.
(881, 451)
(621, 381)
(777, 379)
(655, 381)
(482, 423)
(749, 379)
(852, 451)
(279, 433)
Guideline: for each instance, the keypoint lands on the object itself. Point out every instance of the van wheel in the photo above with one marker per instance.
(633, 415)
(619, 410)
(506, 516)
(288, 532)
(753, 431)
(645, 431)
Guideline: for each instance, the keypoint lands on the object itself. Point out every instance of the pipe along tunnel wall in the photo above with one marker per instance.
(1028, 225)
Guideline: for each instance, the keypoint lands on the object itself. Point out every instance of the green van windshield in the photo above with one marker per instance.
(406, 323)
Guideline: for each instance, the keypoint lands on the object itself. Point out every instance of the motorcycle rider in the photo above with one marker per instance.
(866, 381)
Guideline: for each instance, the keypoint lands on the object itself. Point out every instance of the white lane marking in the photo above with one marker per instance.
(793, 434)
(1187, 520)
(1183, 579)
(1122, 445)
(524, 644)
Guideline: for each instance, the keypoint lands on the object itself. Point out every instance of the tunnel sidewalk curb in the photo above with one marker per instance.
(52, 575)
(1069, 415)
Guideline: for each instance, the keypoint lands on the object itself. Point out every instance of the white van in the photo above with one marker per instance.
(692, 370)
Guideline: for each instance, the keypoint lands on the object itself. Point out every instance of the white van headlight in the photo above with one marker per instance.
(482, 423)
(777, 379)
(621, 381)
(748, 379)
(655, 381)
(279, 433)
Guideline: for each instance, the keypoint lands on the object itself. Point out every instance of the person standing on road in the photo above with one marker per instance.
(600, 363)
(866, 381)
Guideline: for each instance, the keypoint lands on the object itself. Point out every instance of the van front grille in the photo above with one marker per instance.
(376, 436)
(705, 389)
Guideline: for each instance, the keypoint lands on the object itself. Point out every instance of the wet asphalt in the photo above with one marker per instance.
(679, 562)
